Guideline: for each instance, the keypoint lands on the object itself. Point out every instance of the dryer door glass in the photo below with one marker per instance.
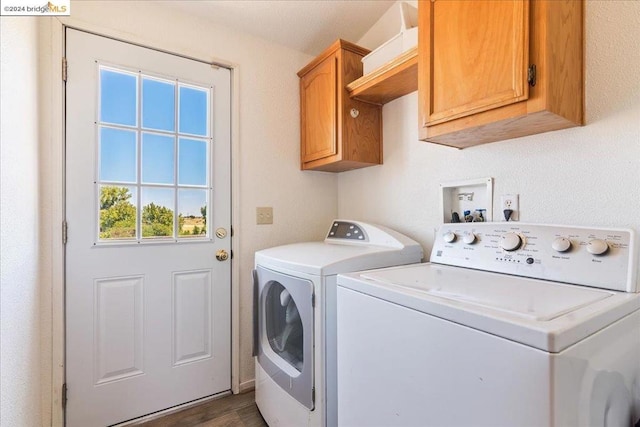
(283, 325)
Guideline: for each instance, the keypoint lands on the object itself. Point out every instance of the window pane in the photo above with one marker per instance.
(158, 105)
(157, 212)
(192, 209)
(118, 95)
(157, 159)
(117, 155)
(117, 212)
(192, 165)
(194, 110)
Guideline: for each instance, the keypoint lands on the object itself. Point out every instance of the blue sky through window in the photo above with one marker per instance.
(157, 159)
(118, 97)
(158, 196)
(119, 147)
(193, 111)
(117, 155)
(192, 167)
(158, 105)
(190, 201)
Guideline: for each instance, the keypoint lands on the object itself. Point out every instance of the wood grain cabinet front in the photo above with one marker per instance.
(337, 133)
(490, 70)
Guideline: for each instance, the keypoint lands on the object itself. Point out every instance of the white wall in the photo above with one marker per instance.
(587, 175)
(20, 292)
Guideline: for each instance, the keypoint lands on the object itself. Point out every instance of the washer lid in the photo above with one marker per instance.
(546, 315)
(526, 298)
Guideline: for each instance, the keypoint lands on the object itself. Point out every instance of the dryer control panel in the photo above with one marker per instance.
(347, 230)
(597, 257)
(350, 232)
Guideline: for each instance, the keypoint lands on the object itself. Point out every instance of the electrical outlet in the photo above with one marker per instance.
(264, 215)
(510, 201)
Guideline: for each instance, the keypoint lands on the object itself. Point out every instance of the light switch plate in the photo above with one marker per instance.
(264, 215)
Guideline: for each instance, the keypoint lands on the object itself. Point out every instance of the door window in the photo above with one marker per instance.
(154, 137)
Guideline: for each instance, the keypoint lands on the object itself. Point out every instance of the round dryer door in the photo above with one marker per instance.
(285, 332)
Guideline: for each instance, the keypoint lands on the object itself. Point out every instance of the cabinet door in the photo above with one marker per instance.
(473, 57)
(318, 109)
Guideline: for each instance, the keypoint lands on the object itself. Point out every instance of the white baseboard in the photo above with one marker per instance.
(247, 386)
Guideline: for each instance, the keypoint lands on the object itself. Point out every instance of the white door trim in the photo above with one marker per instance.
(54, 135)
(56, 168)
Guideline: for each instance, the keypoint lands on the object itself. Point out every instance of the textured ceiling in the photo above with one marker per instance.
(304, 25)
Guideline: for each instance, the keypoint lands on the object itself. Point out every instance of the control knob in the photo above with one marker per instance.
(510, 242)
(449, 237)
(561, 244)
(469, 238)
(597, 247)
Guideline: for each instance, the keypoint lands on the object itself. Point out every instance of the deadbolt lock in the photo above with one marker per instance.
(222, 255)
(221, 233)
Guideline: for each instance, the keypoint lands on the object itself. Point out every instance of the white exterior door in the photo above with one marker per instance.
(147, 186)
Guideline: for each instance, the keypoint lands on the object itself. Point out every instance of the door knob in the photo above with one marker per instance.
(222, 255)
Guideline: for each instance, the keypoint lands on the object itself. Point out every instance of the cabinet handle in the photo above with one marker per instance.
(531, 75)
(354, 112)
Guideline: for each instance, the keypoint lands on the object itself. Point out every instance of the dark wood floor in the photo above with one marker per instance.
(237, 410)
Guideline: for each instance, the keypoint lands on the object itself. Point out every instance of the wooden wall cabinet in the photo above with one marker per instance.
(475, 69)
(332, 139)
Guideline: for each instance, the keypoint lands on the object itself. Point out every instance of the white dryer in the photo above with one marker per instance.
(295, 317)
(508, 325)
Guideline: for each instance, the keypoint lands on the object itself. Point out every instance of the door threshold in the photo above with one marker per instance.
(172, 410)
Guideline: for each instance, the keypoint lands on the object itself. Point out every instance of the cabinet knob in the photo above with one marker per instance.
(354, 112)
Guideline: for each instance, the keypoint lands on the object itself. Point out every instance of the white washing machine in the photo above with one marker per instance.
(295, 317)
(509, 325)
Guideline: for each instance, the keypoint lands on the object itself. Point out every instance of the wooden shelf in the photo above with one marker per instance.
(392, 80)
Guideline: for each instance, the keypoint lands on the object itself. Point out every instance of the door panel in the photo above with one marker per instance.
(478, 56)
(147, 180)
(118, 321)
(192, 316)
(319, 115)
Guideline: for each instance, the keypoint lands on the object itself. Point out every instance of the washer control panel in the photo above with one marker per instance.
(598, 257)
